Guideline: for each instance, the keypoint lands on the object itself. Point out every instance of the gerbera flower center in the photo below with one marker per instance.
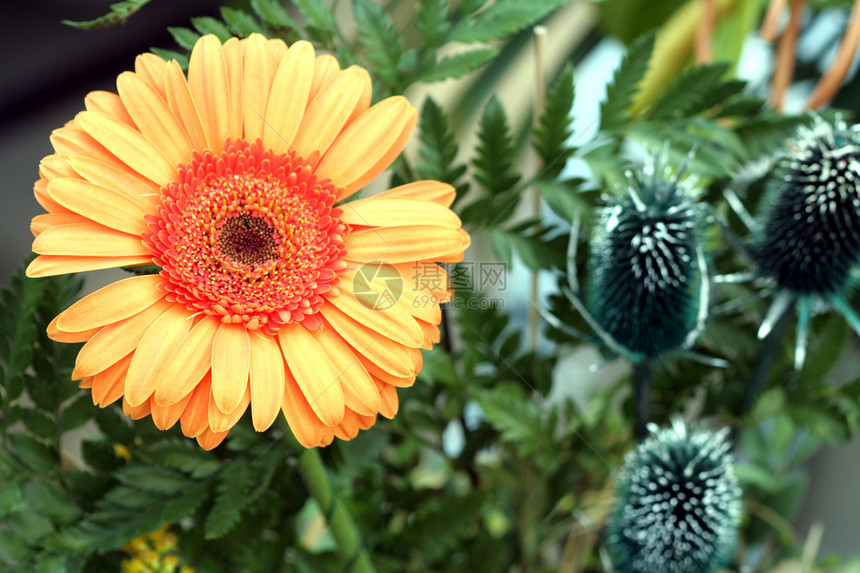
(249, 235)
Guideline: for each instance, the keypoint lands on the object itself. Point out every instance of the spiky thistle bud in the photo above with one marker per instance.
(809, 236)
(645, 268)
(678, 504)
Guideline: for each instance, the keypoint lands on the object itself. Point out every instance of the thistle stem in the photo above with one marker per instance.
(319, 483)
(642, 379)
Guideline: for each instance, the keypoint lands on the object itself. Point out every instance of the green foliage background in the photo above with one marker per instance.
(530, 488)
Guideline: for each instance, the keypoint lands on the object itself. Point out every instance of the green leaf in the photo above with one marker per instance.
(433, 23)
(99, 454)
(118, 14)
(51, 564)
(30, 525)
(563, 198)
(35, 454)
(556, 126)
(458, 65)
(240, 22)
(39, 423)
(51, 503)
(234, 483)
(187, 504)
(209, 25)
(625, 83)
(151, 478)
(113, 424)
(317, 15)
(184, 456)
(502, 19)
(512, 412)
(494, 161)
(77, 413)
(13, 547)
(698, 89)
(168, 55)
(184, 37)
(11, 499)
(438, 150)
(274, 14)
(382, 46)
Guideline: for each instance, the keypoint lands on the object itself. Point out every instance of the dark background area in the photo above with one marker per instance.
(47, 68)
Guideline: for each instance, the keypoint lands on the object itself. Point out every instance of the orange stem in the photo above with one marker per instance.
(704, 39)
(832, 79)
(785, 58)
(768, 27)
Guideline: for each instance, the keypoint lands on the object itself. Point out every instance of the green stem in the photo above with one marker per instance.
(642, 377)
(319, 483)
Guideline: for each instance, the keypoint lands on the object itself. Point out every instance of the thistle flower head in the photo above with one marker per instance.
(809, 237)
(644, 273)
(678, 503)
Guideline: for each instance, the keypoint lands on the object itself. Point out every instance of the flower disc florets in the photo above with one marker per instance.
(809, 238)
(678, 505)
(250, 236)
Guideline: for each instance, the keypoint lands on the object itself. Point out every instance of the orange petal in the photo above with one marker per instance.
(288, 97)
(151, 69)
(421, 276)
(153, 117)
(389, 403)
(398, 212)
(369, 144)
(130, 184)
(435, 191)
(108, 104)
(359, 391)
(267, 381)
(207, 79)
(72, 141)
(329, 111)
(104, 206)
(40, 191)
(258, 71)
(41, 222)
(113, 303)
(379, 373)
(195, 417)
(384, 352)
(109, 383)
(365, 422)
(181, 103)
(190, 363)
(231, 357)
(115, 341)
(348, 428)
(87, 383)
(314, 372)
(326, 67)
(164, 417)
(135, 412)
(49, 265)
(55, 166)
(233, 58)
(129, 146)
(391, 322)
(56, 334)
(405, 244)
(154, 352)
(220, 421)
(210, 440)
(88, 240)
(304, 424)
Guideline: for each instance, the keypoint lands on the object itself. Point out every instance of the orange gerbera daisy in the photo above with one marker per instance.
(229, 182)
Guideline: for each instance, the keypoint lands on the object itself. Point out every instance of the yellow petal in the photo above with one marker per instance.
(258, 71)
(151, 69)
(130, 184)
(153, 117)
(435, 191)
(108, 104)
(99, 204)
(390, 322)
(314, 373)
(359, 390)
(279, 50)
(222, 421)
(113, 303)
(233, 59)
(189, 365)
(369, 144)
(55, 333)
(55, 166)
(88, 240)
(231, 356)
(326, 67)
(41, 222)
(181, 103)
(329, 111)
(418, 302)
(288, 97)
(154, 353)
(384, 352)
(72, 141)
(397, 212)
(405, 244)
(40, 191)
(195, 418)
(303, 422)
(267, 381)
(115, 341)
(207, 79)
(129, 146)
(50, 265)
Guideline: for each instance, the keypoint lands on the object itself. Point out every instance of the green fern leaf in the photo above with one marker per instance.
(168, 55)
(234, 483)
(184, 37)
(502, 19)
(619, 95)
(433, 22)
(494, 161)
(240, 22)
(438, 150)
(319, 20)
(381, 42)
(698, 89)
(272, 13)
(459, 65)
(555, 126)
(209, 25)
(119, 13)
